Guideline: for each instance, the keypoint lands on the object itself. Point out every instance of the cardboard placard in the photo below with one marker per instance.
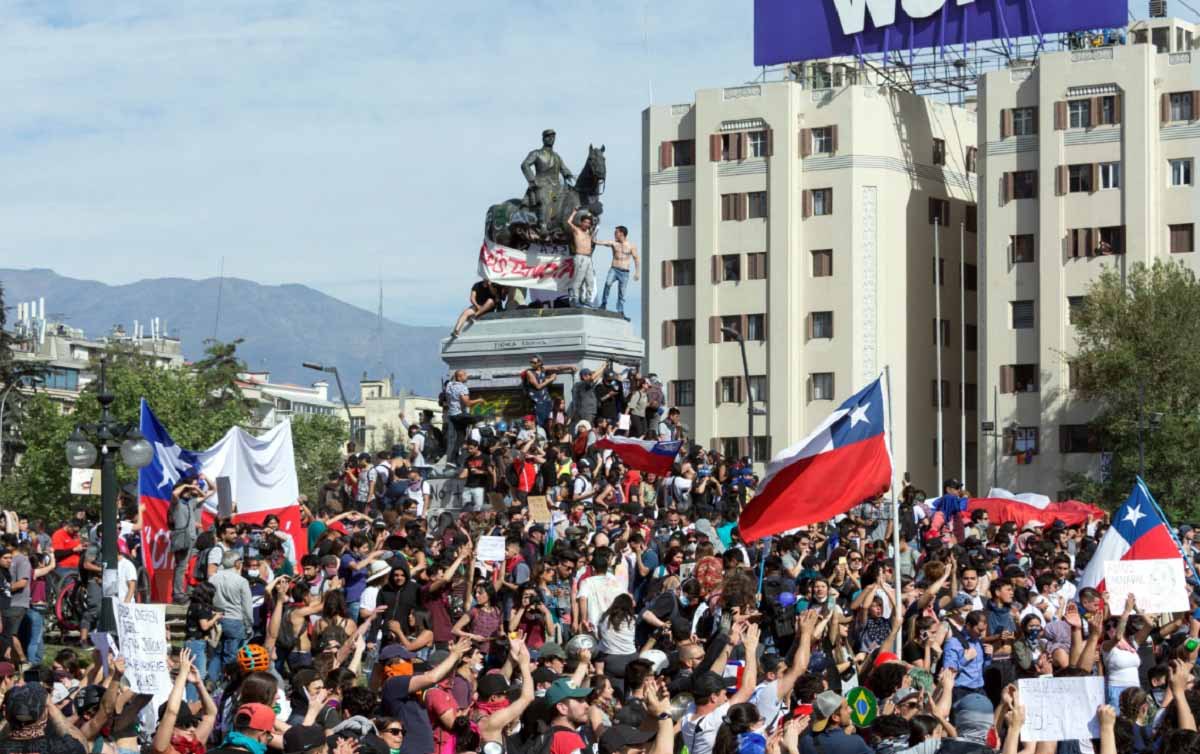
(142, 638)
(1158, 586)
(490, 549)
(1061, 709)
(224, 498)
(85, 481)
(539, 509)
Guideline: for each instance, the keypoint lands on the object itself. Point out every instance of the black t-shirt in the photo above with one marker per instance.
(477, 473)
(5, 589)
(483, 293)
(397, 702)
(197, 612)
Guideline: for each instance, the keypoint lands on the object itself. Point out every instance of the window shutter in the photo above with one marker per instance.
(1120, 240)
(743, 201)
(1060, 116)
(666, 151)
(1008, 187)
(945, 213)
(806, 142)
(717, 393)
(809, 387)
(833, 139)
(1164, 108)
(806, 203)
(1195, 105)
(1117, 107)
(828, 201)
(1073, 243)
(1093, 241)
(672, 392)
(808, 323)
(714, 329)
(714, 148)
(667, 333)
(743, 140)
(1035, 127)
(743, 444)
(770, 142)
(1095, 119)
(1006, 379)
(743, 326)
(717, 268)
(933, 210)
(766, 319)
(1006, 123)
(1062, 178)
(667, 274)
(740, 385)
(1095, 177)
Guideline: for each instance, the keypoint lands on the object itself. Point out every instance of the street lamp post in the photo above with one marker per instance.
(112, 437)
(341, 392)
(736, 335)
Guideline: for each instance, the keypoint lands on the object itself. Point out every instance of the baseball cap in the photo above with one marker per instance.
(885, 657)
(825, 706)
(616, 738)
(255, 717)
(394, 652)
(544, 675)
(959, 602)
(302, 738)
(551, 650)
(561, 690)
(337, 526)
(706, 684)
(491, 684)
(25, 704)
(904, 693)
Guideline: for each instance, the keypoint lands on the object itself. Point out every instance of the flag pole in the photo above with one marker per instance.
(887, 384)
(939, 342)
(962, 349)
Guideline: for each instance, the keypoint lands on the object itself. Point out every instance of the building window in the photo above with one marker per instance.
(822, 140)
(682, 272)
(1021, 441)
(1108, 110)
(944, 326)
(971, 337)
(1110, 175)
(820, 386)
(683, 152)
(762, 447)
(681, 212)
(1181, 172)
(968, 396)
(822, 201)
(822, 263)
(945, 393)
(758, 143)
(730, 322)
(1182, 238)
(1079, 178)
(1077, 438)
(939, 151)
(1181, 106)
(972, 160)
(939, 211)
(684, 392)
(1079, 113)
(757, 204)
(1021, 184)
(970, 277)
(731, 447)
(971, 218)
(1024, 121)
(820, 325)
(939, 271)
(731, 206)
(758, 388)
(679, 332)
(756, 327)
(1075, 306)
(1019, 378)
(727, 390)
(756, 265)
(731, 146)
(1021, 247)
(730, 269)
(1112, 240)
(59, 378)
(1022, 315)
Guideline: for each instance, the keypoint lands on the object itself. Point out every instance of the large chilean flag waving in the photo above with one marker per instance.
(262, 476)
(844, 462)
(1138, 532)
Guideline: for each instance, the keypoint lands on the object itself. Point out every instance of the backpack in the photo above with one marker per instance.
(540, 744)
(204, 545)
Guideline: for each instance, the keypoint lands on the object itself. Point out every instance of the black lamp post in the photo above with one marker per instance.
(342, 393)
(105, 438)
(749, 398)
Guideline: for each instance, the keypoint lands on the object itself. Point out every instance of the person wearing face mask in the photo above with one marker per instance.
(253, 727)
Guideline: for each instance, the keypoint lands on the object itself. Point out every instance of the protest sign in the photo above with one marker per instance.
(85, 481)
(1061, 709)
(224, 498)
(539, 509)
(1159, 586)
(490, 549)
(142, 638)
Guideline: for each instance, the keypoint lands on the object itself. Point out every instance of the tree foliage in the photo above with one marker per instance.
(317, 441)
(1138, 357)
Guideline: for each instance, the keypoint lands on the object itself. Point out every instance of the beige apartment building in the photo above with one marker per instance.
(1087, 163)
(801, 213)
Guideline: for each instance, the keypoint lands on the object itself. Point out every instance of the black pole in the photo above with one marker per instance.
(345, 403)
(749, 400)
(996, 435)
(108, 506)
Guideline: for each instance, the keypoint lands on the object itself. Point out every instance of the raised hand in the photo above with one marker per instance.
(1107, 716)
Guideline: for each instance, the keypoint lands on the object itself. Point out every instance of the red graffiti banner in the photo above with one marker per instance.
(547, 268)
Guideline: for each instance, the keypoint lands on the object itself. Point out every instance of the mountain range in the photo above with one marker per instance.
(282, 325)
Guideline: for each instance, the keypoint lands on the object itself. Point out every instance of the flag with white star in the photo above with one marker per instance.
(1138, 532)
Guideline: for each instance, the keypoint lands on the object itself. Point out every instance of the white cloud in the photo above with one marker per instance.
(327, 143)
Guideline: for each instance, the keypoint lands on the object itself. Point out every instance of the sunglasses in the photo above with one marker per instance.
(394, 731)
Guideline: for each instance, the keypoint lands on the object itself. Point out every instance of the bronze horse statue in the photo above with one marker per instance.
(515, 222)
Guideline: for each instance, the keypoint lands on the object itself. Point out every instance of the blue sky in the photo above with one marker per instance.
(334, 144)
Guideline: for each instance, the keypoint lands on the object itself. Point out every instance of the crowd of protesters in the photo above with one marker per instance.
(626, 617)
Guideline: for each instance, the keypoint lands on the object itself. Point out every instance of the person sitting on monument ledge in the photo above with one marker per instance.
(485, 297)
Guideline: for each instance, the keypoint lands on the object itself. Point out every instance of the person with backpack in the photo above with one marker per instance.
(183, 518)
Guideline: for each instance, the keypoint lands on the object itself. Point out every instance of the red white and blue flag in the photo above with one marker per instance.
(844, 462)
(643, 455)
(1138, 532)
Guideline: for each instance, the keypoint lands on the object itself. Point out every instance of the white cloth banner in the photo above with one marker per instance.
(1061, 709)
(261, 470)
(1159, 586)
(142, 639)
(547, 268)
(1028, 498)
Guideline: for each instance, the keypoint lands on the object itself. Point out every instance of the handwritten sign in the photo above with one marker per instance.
(490, 549)
(1159, 586)
(1061, 709)
(142, 637)
(539, 509)
(85, 481)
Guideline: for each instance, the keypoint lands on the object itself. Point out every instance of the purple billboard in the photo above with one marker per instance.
(791, 30)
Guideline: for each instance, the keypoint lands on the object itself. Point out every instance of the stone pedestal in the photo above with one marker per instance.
(495, 350)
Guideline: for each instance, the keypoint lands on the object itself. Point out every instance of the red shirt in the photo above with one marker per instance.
(439, 700)
(567, 742)
(65, 540)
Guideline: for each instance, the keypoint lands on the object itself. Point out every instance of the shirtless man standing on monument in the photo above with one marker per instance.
(583, 283)
(618, 273)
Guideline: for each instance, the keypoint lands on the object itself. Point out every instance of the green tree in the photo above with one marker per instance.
(1138, 358)
(317, 442)
(196, 412)
(18, 378)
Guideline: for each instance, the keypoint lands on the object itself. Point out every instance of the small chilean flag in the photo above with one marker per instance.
(1138, 532)
(643, 455)
(844, 462)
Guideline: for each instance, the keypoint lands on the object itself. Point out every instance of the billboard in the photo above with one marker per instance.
(791, 30)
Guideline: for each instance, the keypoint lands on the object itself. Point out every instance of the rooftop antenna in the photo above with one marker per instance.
(220, 285)
(379, 326)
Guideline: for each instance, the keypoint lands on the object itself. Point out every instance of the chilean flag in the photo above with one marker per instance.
(1138, 532)
(1003, 507)
(844, 462)
(643, 455)
(156, 482)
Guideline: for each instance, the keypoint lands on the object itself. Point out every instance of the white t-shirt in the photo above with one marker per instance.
(581, 486)
(766, 699)
(700, 733)
(600, 591)
(417, 443)
(126, 572)
(417, 493)
(617, 641)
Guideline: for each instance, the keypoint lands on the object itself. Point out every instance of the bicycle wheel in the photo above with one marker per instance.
(68, 610)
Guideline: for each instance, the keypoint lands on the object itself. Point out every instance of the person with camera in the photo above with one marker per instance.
(183, 518)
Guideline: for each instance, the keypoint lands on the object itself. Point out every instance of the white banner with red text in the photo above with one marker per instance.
(540, 267)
